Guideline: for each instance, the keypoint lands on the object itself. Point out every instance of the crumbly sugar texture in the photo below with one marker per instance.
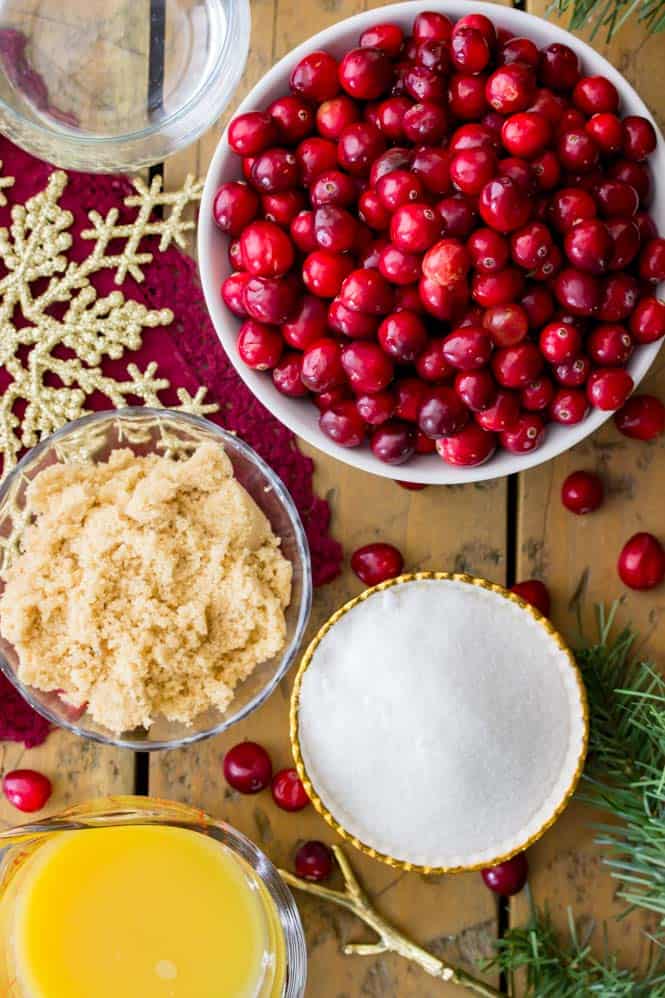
(146, 587)
(440, 723)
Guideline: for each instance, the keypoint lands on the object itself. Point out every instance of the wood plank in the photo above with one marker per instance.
(566, 550)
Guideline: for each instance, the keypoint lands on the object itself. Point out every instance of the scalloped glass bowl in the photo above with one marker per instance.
(146, 430)
(300, 415)
(126, 811)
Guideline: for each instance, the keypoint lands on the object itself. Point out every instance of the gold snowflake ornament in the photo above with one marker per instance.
(39, 276)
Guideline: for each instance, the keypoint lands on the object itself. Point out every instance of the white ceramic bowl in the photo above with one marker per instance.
(301, 416)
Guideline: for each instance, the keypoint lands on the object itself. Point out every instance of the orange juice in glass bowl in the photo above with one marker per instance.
(144, 899)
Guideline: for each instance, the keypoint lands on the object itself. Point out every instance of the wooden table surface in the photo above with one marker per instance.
(504, 530)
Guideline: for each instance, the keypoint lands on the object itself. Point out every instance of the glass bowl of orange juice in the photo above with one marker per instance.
(145, 899)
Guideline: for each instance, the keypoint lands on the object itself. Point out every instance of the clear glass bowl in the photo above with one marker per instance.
(124, 811)
(162, 431)
(114, 85)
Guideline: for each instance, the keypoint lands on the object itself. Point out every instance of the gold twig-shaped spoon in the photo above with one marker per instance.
(390, 940)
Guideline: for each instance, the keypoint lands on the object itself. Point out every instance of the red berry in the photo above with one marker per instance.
(471, 169)
(335, 229)
(589, 246)
(391, 113)
(642, 562)
(307, 324)
(403, 335)
(275, 170)
(367, 367)
(518, 366)
(353, 324)
(503, 205)
(314, 861)
(476, 389)
(507, 878)
(480, 23)
(469, 50)
(468, 448)
(431, 364)
(367, 291)
(283, 207)
(247, 768)
(467, 96)
(458, 215)
(259, 346)
(376, 409)
(595, 95)
(251, 133)
(610, 345)
(625, 237)
(573, 373)
(615, 198)
(558, 67)
(490, 290)
(315, 77)
(374, 563)
(488, 250)
(577, 151)
(425, 123)
(333, 187)
(502, 414)
(608, 388)
(582, 492)
(526, 134)
(288, 791)
(510, 88)
(399, 267)
(526, 434)
(343, 423)
(538, 304)
(568, 406)
(396, 158)
(232, 293)
(365, 73)
(393, 442)
(467, 348)
(397, 188)
(535, 592)
(287, 378)
(577, 291)
(635, 174)
(293, 118)
(387, 37)
(433, 55)
(324, 272)
(559, 342)
(531, 245)
(639, 137)
(618, 297)
(538, 395)
(26, 789)
(508, 324)
(234, 207)
(432, 25)
(302, 231)
(571, 205)
(415, 227)
(642, 417)
(322, 365)
(519, 50)
(266, 250)
(441, 413)
(652, 261)
(410, 393)
(424, 84)
(606, 131)
(270, 299)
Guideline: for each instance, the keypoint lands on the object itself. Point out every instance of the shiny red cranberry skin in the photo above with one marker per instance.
(559, 342)
(608, 388)
(398, 267)
(534, 592)
(235, 256)
(307, 324)
(293, 118)
(367, 367)
(446, 263)
(375, 563)
(573, 373)
(313, 861)
(232, 293)
(507, 324)
(458, 216)
(275, 170)
(488, 250)
(358, 146)
(647, 323)
(652, 261)
(442, 413)
(387, 37)
(286, 375)
(315, 156)
(282, 208)
(415, 227)
(26, 789)
(333, 187)
(476, 389)
(407, 297)
(403, 336)
(467, 348)
(441, 301)
(538, 304)
(510, 88)
(526, 134)
(577, 151)
(618, 296)
(343, 423)
(610, 345)
(323, 272)
(398, 188)
(395, 158)
(315, 77)
(635, 174)
(641, 562)
(409, 394)
(393, 442)
(469, 448)
(333, 116)
(502, 414)
(537, 396)
(546, 170)
(503, 205)
(391, 114)
(424, 84)
(270, 299)
(322, 365)
(432, 167)
(471, 169)
(558, 67)
(432, 25)
(549, 104)
(519, 50)
(568, 406)
(582, 492)
(606, 131)
(288, 792)
(234, 207)
(569, 206)
(266, 250)
(641, 418)
(259, 346)
(490, 290)
(469, 51)
(250, 134)
(326, 400)
(335, 229)
(518, 366)
(595, 95)
(466, 97)
(589, 246)
(373, 212)
(431, 364)
(367, 291)
(302, 231)
(576, 291)
(625, 237)
(365, 73)
(531, 245)
(247, 768)
(376, 409)
(507, 878)
(615, 198)
(477, 22)
(526, 434)
(639, 137)
(425, 123)
(433, 55)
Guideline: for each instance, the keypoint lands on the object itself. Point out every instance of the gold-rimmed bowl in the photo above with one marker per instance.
(325, 811)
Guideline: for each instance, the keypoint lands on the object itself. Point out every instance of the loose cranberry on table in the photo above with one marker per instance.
(507, 878)
(314, 861)
(247, 768)
(642, 417)
(582, 492)
(288, 792)
(26, 789)
(374, 563)
(641, 562)
(535, 592)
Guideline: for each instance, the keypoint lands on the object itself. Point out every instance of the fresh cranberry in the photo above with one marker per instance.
(559, 342)
(510, 88)
(569, 206)
(468, 448)
(549, 104)
(608, 388)
(302, 231)
(507, 324)
(518, 366)
(526, 134)
(252, 133)
(625, 237)
(359, 145)
(432, 25)
(393, 442)
(488, 250)
(519, 171)
(606, 131)
(396, 158)
(365, 73)
(398, 188)
(589, 246)
(367, 367)
(333, 187)
(635, 174)
(398, 267)
(376, 409)
(446, 263)
(616, 198)
(266, 250)
(535, 592)
(433, 55)
(490, 290)
(275, 170)
(288, 792)
(375, 563)
(442, 301)
(526, 434)
(476, 389)
(466, 97)
(315, 77)
(642, 417)
(407, 296)
(618, 297)
(469, 50)
(270, 299)
(315, 156)
(538, 304)
(307, 324)
(259, 346)
(503, 205)
(458, 215)
(558, 67)
(335, 229)
(502, 414)
(323, 272)
(333, 116)
(471, 169)
(283, 207)
(431, 364)
(235, 255)
(423, 446)
(387, 37)
(467, 348)
(577, 291)
(372, 211)
(247, 768)
(546, 170)
(425, 123)
(573, 373)
(415, 227)
(367, 291)
(333, 396)
(416, 486)
(639, 137)
(519, 50)
(642, 562)
(322, 365)
(477, 22)
(234, 207)
(568, 406)
(293, 118)
(26, 789)
(287, 375)
(424, 84)
(403, 336)
(510, 877)
(582, 492)
(409, 394)
(343, 423)
(531, 245)
(442, 413)
(232, 293)
(647, 323)
(538, 395)
(610, 345)
(314, 861)
(595, 95)
(432, 167)
(577, 151)
(652, 261)
(391, 114)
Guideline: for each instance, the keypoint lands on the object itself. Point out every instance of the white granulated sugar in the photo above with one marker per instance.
(440, 723)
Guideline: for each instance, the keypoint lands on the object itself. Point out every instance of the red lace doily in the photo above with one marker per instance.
(188, 353)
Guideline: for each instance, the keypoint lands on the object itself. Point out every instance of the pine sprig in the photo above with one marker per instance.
(611, 15)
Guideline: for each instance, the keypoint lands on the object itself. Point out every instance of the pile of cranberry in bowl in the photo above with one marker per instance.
(438, 241)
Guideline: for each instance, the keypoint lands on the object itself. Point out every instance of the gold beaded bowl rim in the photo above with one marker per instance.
(323, 810)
